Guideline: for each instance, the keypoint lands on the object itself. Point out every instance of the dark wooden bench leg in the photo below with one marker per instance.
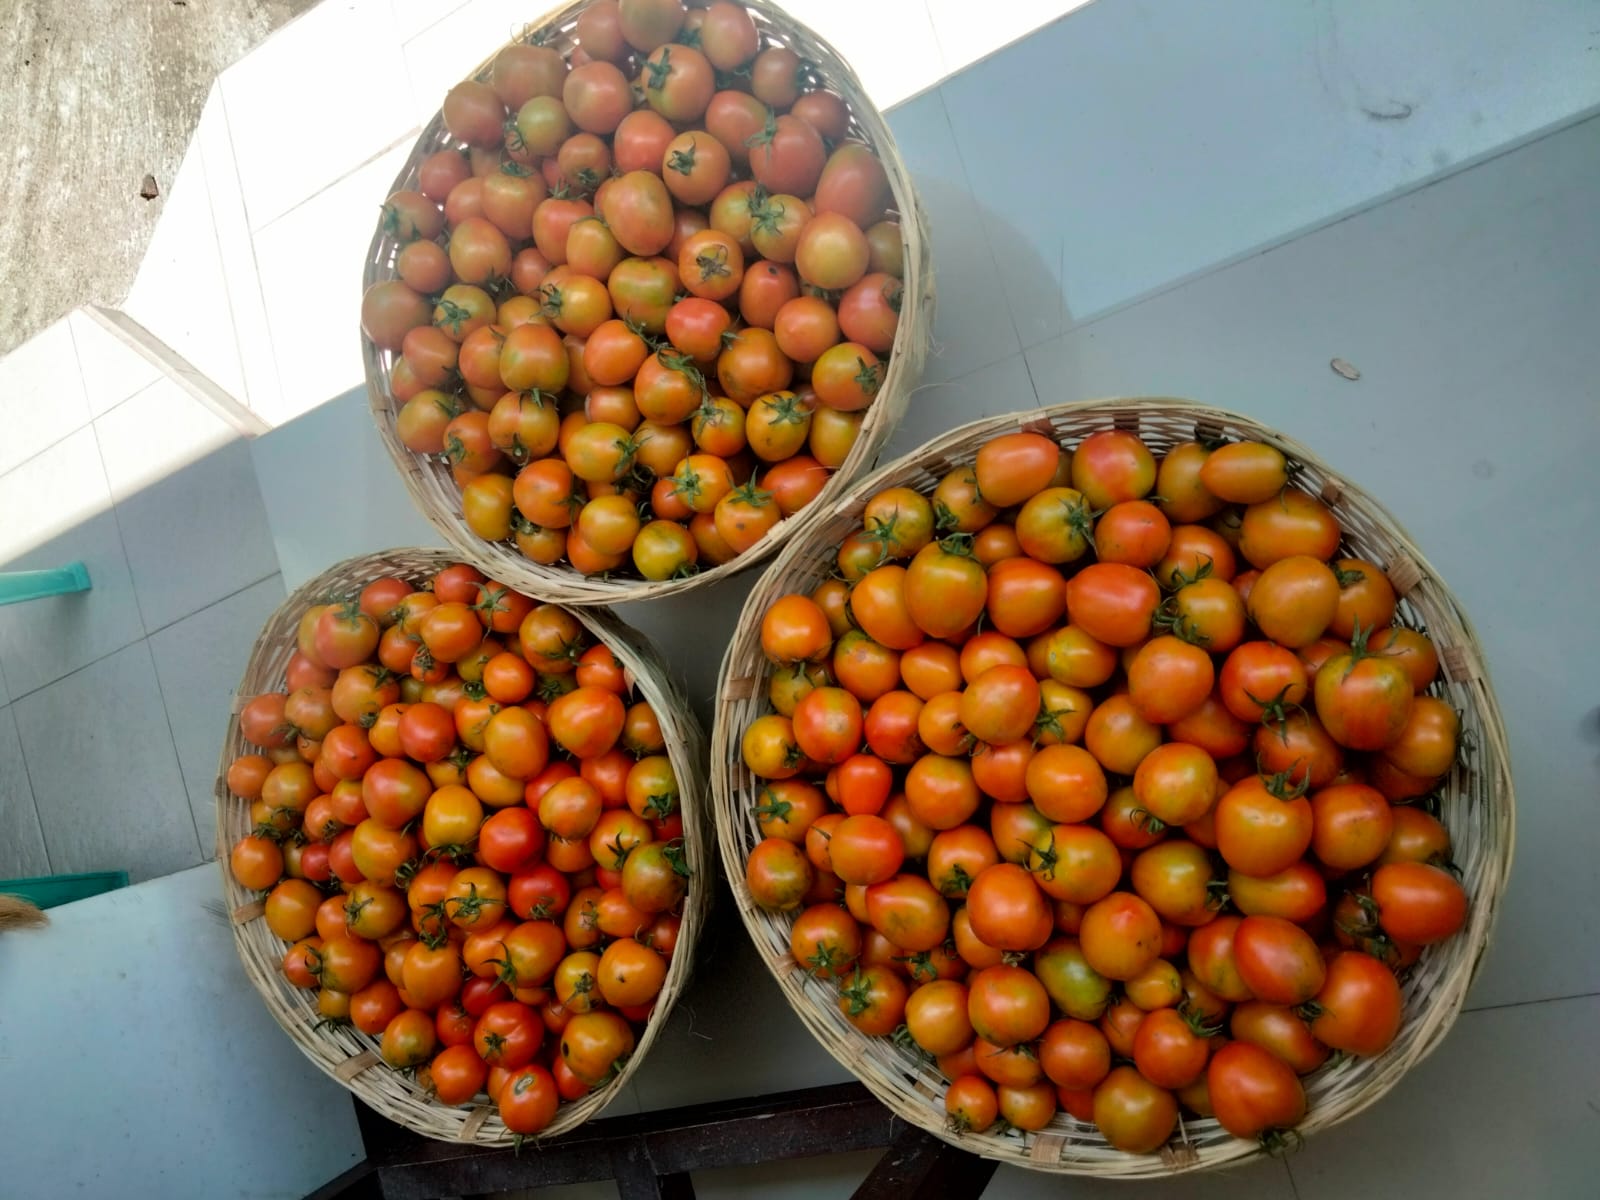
(919, 1166)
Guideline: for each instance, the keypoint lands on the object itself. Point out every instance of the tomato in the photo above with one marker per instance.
(1000, 705)
(1351, 825)
(1427, 745)
(347, 964)
(1294, 600)
(908, 911)
(1358, 1009)
(1253, 1092)
(1074, 1054)
(869, 311)
(1132, 1113)
(1281, 1033)
(1112, 466)
(1175, 879)
(787, 157)
(1289, 524)
(1112, 603)
(528, 1100)
(476, 899)
(1007, 1005)
(1245, 472)
(873, 999)
(866, 849)
(778, 874)
(597, 96)
(847, 377)
(1259, 678)
(711, 265)
(1076, 863)
(630, 973)
(678, 83)
(1213, 961)
(1014, 466)
(1363, 700)
(942, 792)
(1171, 1049)
(1296, 893)
(1411, 649)
(408, 1040)
(825, 940)
(1120, 935)
(1417, 902)
(970, 1104)
(1277, 960)
(1007, 910)
(744, 516)
(1118, 736)
(1182, 497)
(1298, 747)
(1263, 825)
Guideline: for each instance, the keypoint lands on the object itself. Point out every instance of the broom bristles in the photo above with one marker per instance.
(17, 913)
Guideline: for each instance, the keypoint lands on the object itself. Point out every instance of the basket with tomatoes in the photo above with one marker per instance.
(653, 282)
(1114, 789)
(463, 844)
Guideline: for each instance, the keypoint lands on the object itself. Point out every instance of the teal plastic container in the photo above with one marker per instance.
(51, 890)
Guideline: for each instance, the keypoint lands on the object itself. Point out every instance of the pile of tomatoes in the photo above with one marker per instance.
(643, 313)
(1098, 778)
(468, 837)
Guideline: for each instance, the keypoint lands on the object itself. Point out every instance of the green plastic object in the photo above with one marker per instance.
(50, 890)
(18, 586)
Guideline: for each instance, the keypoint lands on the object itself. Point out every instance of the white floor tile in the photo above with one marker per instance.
(310, 104)
(240, 273)
(330, 461)
(890, 44)
(41, 396)
(1184, 136)
(51, 492)
(199, 661)
(112, 370)
(968, 32)
(209, 518)
(105, 774)
(1505, 1107)
(1260, 1179)
(180, 294)
(413, 16)
(22, 853)
(155, 433)
(442, 54)
(312, 256)
(972, 325)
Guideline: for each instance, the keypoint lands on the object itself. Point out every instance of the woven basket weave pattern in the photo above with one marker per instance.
(1477, 801)
(351, 1057)
(429, 481)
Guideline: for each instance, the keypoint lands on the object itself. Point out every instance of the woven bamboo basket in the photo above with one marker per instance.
(352, 1057)
(429, 481)
(1477, 802)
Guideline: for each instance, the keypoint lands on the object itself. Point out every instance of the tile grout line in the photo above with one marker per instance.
(33, 795)
(255, 259)
(1373, 204)
(216, 239)
(983, 225)
(166, 715)
(146, 636)
(1526, 1003)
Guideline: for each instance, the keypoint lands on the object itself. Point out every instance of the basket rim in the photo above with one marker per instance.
(561, 583)
(347, 1055)
(739, 679)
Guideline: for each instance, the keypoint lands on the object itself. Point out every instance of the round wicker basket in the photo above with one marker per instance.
(351, 1057)
(429, 480)
(1477, 803)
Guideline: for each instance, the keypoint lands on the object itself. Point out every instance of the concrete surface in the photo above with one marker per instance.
(98, 94)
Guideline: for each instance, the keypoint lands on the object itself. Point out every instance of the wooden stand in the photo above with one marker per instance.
(651, 1155)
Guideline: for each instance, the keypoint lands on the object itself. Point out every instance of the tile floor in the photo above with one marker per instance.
(109, 713)
(1465, 304)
